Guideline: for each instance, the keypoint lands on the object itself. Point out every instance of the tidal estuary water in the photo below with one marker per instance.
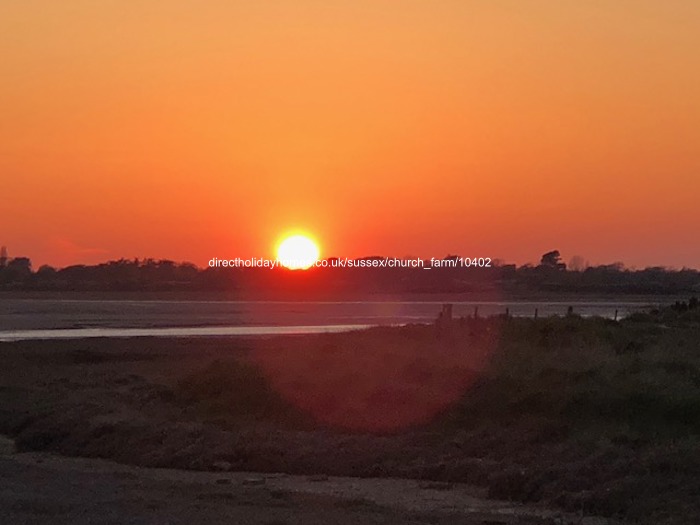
(22, 319)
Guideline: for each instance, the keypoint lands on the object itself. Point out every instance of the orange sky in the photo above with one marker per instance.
(189, 130)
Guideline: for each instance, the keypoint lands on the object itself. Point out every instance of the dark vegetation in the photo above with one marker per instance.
(551, 276)
(591, 415)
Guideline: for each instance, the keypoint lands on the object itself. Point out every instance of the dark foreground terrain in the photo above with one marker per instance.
(589, 416)
(42, 488)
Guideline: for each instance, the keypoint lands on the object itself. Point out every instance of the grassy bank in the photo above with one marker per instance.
(593, 416)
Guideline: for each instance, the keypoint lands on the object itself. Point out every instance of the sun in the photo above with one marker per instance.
(297, 252)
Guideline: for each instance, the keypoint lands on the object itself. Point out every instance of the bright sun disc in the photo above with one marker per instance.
(297, 252)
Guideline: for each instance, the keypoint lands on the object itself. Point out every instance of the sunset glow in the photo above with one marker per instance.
(502, 129)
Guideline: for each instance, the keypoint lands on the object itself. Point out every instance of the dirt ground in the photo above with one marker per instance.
(39, 488)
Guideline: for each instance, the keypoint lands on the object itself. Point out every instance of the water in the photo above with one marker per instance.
(51, 318)
(206, 331)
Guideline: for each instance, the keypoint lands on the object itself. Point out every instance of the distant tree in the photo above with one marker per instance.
(21, 264)
(552, 260)
(45, 276)
(46, 271)
(620, 266)
(17, 269)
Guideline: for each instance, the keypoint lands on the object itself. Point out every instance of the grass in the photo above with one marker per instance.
(592, 415)
(232, 392)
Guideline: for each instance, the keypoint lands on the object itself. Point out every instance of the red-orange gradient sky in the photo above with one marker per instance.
(187, 130)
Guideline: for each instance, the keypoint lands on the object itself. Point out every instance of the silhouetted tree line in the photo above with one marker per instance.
(550, 276)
